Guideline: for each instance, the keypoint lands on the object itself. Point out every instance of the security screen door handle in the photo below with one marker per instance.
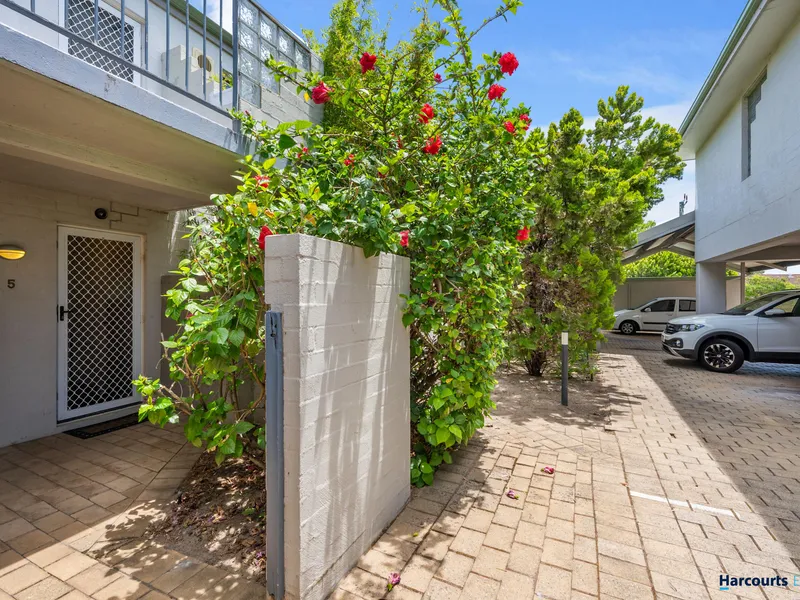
(62, 312)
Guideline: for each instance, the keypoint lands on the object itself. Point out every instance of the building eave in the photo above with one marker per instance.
(745, 19)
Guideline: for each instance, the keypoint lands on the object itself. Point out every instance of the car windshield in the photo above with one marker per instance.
(761, 301)
(641, 306)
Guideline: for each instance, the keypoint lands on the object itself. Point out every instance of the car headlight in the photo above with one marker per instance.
(690, 327)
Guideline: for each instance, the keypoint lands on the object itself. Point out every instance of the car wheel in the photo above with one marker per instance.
(627, 327)
(721, 356)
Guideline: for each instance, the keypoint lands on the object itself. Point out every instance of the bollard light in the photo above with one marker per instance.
(564, 367)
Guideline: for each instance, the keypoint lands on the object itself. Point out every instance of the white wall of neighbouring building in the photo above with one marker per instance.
(733, 212)
(29, 217)
(346, 386)
(638, 290)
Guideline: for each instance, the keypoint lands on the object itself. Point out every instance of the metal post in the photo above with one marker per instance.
(166, 60)
(274, 459)
(205, 18)
(235, 43)
(221, 3)
(564, 367)
(96, 21)
(122, 29)
(742, 282)
(147, 34)
(187, 57)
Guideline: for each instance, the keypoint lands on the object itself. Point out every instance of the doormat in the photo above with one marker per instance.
(91, 431)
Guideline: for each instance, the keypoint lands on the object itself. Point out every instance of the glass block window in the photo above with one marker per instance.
(248, 15)
(248, 65)
(268, 80)
(248, 39)
(302, 58)
(286, 45)
(250, 91)
(269, 31)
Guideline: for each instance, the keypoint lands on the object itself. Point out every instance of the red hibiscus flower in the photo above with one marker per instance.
(496, 91)
(437, 78)
(349, 160)
(426, 113)
(433, 146)
(510, 127)
(263, 181)
(404, 238)
(525, 119)
(523, 234)
(265, 231)
(368, 62)
(321, 93)
(508, 63)
(302, 152)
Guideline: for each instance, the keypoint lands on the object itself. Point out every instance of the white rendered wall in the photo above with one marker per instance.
(638, 290)
(346, 385)
(29, 217)
(733, 213)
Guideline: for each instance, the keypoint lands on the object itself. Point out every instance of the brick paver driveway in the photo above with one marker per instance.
(666, 476)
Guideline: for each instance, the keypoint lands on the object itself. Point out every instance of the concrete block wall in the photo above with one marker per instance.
(346, 386)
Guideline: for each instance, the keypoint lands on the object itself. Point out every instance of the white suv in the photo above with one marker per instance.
(653, 315)
(766, 329)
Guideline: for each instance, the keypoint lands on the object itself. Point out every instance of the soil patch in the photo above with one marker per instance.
(219, 516)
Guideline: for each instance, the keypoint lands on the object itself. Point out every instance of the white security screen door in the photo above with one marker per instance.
(99, 320)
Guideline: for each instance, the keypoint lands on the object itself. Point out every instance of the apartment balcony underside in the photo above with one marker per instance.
(66, 124)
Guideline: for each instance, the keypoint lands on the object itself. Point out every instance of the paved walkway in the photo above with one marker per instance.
(666, 476)
(72, 513)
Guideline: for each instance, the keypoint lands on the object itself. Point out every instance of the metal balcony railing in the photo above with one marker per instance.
(178, 49)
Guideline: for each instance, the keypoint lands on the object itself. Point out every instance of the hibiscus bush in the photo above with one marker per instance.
(426, 158)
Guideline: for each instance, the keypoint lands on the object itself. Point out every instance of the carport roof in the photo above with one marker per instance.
(677, 235)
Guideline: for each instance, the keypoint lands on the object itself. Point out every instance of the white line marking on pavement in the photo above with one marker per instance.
(721, 511)
(683, 504)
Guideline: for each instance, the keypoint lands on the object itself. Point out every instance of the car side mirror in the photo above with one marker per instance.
(775, 312)
(648, 309)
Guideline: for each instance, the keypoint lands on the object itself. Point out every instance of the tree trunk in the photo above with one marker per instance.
(536, 363)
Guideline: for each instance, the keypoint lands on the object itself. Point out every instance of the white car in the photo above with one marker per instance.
(766, 329)
(654, 314)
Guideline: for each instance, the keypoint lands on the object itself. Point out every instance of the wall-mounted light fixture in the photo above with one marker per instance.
(11, 252)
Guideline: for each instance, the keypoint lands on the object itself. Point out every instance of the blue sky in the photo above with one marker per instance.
(574, 52)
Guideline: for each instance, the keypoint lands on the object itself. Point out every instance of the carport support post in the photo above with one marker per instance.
(273, 351)
(564, 367)
(742, 282)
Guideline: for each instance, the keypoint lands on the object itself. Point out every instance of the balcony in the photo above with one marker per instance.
(134, 95)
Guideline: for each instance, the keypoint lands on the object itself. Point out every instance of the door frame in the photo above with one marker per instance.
(62, 414)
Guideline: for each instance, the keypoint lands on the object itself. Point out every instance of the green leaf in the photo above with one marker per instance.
(302, 125)
(442, 435)
(285, 142)
(243, 427)
(236, 337)
(426, 468)
(218, 336)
